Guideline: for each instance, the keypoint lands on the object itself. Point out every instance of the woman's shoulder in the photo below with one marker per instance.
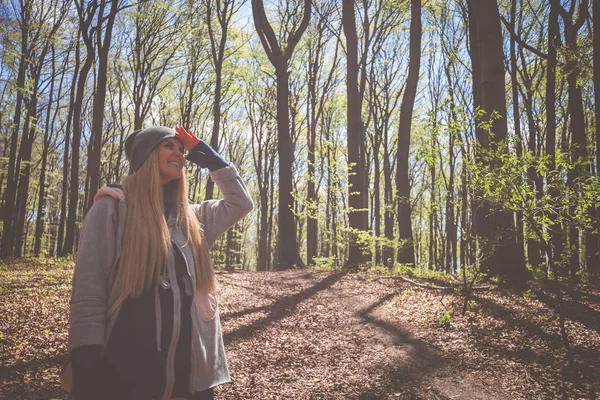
(104, 207)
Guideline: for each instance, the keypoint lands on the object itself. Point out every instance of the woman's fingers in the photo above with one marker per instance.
(187, 137)
(109, 191)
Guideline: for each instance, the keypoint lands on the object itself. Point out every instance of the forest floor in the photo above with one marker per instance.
(304, 334)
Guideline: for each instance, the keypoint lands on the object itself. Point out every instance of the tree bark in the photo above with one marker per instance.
(66, 164)
(501, 252)
(287, 253)
(224, 10)
(556, 229)
(358, 214)
(69, 243)
(593, 263)
(406, 254)
(533, 257)
(13, 175)
(577, 121)
(39, 223)
(97, 130)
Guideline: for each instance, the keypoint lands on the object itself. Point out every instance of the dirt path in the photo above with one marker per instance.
(301, 334)
(314, 335)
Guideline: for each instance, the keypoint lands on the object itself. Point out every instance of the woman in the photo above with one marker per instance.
(144, 320)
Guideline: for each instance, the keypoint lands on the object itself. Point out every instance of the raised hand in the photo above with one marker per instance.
(200, 153)
(187, 137)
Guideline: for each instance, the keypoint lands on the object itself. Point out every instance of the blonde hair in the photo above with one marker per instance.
(147, 242)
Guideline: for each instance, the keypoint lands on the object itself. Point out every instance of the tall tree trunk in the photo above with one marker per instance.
(518, 139)
(214, 138)
(224, 10)
(25, 151)
(315, 106)
(502, 254)
(388, 195)
(263, 249)
(451, 235)
(66, 156)
(556, 229)
(69, 242)
(577, 118)
(13, 174)
(97, 130)
(288, 255)
(593, 261)
(311, 194)
(312, 207)
(376, 204)
(357, 216)
(432, 250)
(271, 212)
(406, 254)
(39, 223)
(534, 249)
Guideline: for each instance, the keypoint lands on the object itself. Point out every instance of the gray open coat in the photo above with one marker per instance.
(97, 292)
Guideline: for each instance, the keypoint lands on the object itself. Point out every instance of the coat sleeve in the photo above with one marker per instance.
(95, 258)
(217, 216)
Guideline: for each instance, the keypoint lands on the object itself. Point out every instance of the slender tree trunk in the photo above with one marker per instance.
(69, 243)
(432, 215)
(39, 224)
(271, 211)
(287, 255)
(518, 139)
(311, 219)
(25, 151)
(406, 255)
(13, 174)
(66, 164)
(377, 200)
(103, 46)
(214, 138)
(556, 229)
(465, 234)
(451, 243)
(224, 10)
(388, 253)
(593, 261)
(263, 249)
(577, 119)
(357, 215)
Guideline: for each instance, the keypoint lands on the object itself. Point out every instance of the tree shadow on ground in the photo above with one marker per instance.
(406, 373)
(254, 290)
(549, 355)
(574, 309)
(281, 308)
(32, 380)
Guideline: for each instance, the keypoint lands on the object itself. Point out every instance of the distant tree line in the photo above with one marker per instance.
(447, 135)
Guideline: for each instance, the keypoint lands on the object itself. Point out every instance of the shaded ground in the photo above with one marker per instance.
(307, 335)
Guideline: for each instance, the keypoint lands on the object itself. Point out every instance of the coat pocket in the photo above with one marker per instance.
(207, 306)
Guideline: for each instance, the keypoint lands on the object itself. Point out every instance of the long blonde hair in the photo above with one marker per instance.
(147, 242)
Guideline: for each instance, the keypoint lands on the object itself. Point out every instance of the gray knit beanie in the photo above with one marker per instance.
(140, 144)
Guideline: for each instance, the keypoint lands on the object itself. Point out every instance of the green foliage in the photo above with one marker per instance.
(500, 178)
(528, 295)
(330, 264)
(444, 319)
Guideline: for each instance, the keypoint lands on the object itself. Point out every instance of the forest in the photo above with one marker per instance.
(452, 141)
(443, 135)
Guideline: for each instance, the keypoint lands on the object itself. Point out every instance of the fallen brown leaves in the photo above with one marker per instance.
(315, 335)
(34, 299)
